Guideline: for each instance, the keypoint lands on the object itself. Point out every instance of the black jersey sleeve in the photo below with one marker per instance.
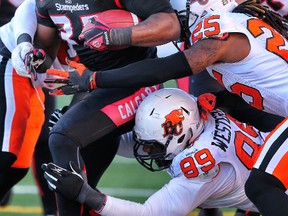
(146, 8)
(42, 14)
(145, 73)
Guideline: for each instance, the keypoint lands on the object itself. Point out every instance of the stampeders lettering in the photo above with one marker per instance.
(71, 8)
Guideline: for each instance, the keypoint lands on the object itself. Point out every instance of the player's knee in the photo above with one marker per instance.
(7, 159)
(60, 146)
(57, 142)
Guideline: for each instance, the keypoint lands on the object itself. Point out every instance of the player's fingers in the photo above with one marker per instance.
(59, 81)
(87, 44)
(53, 168)
(81, 37)
(50, 180)
(57, 91)
(76, 65)
(59, 73)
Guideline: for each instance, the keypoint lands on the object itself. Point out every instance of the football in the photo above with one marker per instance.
(118, 18)
(115, 18)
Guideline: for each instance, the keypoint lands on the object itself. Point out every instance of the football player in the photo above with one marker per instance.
(41, 153)
(209, 161)
(245, 51)
(22, 108)
(7, 10)
(106, 113)
(25, 34)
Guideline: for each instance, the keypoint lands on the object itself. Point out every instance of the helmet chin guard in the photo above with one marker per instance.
(156, 160)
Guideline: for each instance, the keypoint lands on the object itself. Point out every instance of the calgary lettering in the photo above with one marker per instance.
(129, 108)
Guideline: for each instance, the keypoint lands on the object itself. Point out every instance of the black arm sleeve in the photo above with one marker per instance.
(24, 37)
(229, 100)
(145, 73)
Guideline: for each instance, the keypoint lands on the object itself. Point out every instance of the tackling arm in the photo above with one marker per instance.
(179, 197)
(155, 71)
(189, 62)
(25, 33)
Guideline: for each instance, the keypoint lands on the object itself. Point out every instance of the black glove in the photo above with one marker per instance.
(73, 185)
(56, 115)
(79, 79)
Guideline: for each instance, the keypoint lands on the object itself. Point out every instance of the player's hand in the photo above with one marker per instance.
(79, 79)
(95, 34)
(68, 183)
(26, 59)
(73, 185)
(18, 56)
(206, 103)
(33, 60)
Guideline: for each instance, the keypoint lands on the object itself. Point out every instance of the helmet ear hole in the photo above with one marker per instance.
(180, 140)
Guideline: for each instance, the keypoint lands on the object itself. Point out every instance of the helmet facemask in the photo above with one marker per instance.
(151, 154)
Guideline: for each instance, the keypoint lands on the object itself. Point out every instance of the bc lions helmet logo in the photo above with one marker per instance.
(173, 124)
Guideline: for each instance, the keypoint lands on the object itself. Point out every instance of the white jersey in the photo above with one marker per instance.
(10, 31)
(261, 78)
(210, 173)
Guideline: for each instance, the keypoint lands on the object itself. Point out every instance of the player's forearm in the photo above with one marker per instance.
(26, 11)
(115, 206)
(145, 73)
(146, 33)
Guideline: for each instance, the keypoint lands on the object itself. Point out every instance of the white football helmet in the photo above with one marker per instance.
(191, 11)
(166, 122)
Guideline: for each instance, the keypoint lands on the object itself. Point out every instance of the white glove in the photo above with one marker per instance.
(18, 56)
